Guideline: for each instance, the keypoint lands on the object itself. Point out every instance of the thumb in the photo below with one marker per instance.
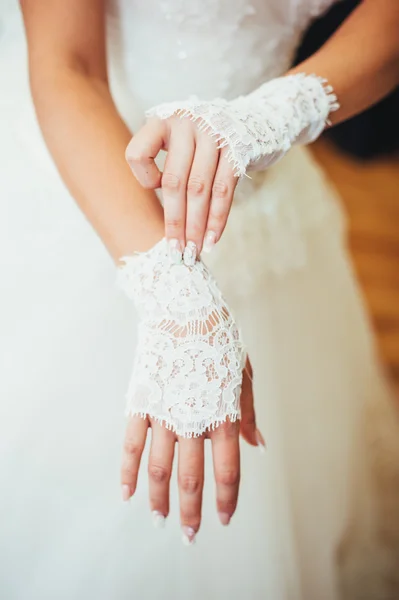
(142, 150)
(248, 428)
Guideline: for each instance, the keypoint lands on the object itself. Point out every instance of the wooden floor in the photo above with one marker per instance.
(370, 192)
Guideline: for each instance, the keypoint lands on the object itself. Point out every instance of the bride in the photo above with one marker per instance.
(318, 513)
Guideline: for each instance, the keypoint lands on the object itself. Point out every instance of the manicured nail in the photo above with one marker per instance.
(175, 252)
(126, 493)
(261, 441)
(158, 519)
(188, 537)
(190, 254)
(132, 170)
(224, 518)
(209, 241)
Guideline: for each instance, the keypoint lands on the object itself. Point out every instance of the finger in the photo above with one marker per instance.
(248, 420)
(191, 482)
(223, 188)
(174, 180)
(199, 188)
(142, 150)
(135, 437)
(226, 464)
(159, 470)
(248, 428)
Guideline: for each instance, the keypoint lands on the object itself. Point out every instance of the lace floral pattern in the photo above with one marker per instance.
(226, 49)
(188, 366)
(258, 129)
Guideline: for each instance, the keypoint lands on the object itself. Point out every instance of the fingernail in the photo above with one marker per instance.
(190, 254)
(132, 170)
(158, 519)
(209, 241)
(224, 518)
(188, 537)
(175, 252)
(126, 493)
(261, 441)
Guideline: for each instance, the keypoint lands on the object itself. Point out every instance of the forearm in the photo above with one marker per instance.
(361, 60)
(87, 139)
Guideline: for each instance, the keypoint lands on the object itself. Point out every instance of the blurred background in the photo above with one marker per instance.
(361, 156)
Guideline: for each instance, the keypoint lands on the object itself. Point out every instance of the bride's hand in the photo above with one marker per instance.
(211, 142)
(198, 181)
(226, 461)
(187, 384)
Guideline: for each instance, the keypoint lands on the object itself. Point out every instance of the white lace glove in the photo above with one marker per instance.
(260, 128)
(188, 366)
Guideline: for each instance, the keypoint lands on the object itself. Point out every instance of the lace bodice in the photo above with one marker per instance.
(174, 48)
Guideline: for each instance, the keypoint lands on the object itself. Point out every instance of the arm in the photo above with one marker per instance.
(80, 123)
(87, 139)
(361, 59)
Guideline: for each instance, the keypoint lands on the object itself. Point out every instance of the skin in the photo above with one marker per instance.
(226, 463)
(87, 139)
(198, 183)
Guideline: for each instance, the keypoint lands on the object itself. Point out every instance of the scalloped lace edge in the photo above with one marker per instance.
(209, 424)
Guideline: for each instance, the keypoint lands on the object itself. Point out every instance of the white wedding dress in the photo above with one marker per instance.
(318, 513)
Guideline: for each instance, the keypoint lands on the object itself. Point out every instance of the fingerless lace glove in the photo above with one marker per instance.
(188, 365)
(260, 128)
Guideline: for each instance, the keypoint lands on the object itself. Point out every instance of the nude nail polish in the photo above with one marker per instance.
(261, 441)
(158, 519)
(190, 254)
(209, 241)
(188, 537)
(224, 518)
(126, 494)
(175, 252)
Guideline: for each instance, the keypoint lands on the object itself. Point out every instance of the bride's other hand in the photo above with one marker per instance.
(226, 462)
(197, 184)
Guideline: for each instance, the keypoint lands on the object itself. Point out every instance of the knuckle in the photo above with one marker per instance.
(131, 449)
(173, 223)
(190, 484)
(220, 188)
(228, 477)
(196, 185)
(170, 182)
(158, 474)
(228, 429)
